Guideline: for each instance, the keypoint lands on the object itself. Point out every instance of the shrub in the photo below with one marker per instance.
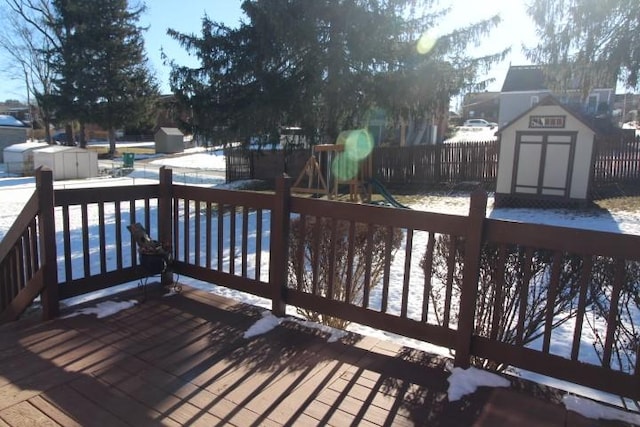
(319, 254)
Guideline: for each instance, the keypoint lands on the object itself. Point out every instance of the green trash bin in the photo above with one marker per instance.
(127, 160)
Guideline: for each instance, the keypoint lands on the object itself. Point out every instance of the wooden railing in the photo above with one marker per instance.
(496, 293)
(28, 256)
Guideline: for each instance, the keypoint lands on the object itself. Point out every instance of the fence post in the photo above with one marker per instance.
(165, 217)
(279, 245)
(471, 269)
(47, 230)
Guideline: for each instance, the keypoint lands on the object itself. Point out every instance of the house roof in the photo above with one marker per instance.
(524, 78)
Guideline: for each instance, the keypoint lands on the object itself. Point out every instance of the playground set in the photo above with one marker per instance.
(331, 166)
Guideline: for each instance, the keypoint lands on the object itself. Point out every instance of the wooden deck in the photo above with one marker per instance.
(182, 360)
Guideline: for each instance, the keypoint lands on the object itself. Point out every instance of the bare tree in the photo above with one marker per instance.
(25, 40)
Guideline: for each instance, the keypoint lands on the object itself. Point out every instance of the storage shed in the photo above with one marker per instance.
(18, 158)
(546, 158)
(12, 131)
(169, 140)
(67, 162)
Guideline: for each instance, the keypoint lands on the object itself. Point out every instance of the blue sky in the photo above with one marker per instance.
(185, 16)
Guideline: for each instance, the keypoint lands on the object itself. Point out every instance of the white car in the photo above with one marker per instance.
(479, 123)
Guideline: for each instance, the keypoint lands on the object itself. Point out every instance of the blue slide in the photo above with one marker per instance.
(385, 194)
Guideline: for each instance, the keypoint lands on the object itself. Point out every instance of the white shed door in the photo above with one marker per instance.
(543, 163)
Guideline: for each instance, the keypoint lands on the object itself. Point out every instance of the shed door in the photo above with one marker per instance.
(544, 163)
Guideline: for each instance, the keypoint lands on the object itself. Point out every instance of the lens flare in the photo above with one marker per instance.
(426, 43)
(344, 168)
(358, 145)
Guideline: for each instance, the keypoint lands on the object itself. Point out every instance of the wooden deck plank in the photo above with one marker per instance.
(26, 414)
(77, 406)
(53, 412)
(182, 360)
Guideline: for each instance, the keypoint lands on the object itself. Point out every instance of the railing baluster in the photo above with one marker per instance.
(612, 319)
(408, 255)
(245, 239)
(332, 259)
(220, 236)
(499, 285)
(118, 231)
(259, 244)
(554, 284)
(66, 233)
(349, 266)
(302, 244)
(583, 283)
(524, 295)
(451, 269)
(386, 279)
(197, 233)
(86, 249)
(427, 267)
(232, 239)
(208, 235)
(102, 238)
(367, 268)
(186, 221)
(315, 260)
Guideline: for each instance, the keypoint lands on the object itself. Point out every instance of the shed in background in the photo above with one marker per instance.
(18, 158)
(546, 158)
(12, 131)
(67, 162)
(169, 140)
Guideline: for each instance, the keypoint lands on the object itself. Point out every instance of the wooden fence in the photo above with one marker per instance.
(615, 160)
(496, 292)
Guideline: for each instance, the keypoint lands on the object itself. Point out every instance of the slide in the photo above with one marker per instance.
(377, 185)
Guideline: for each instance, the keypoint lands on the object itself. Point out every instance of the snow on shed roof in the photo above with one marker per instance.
(6, 120)
(25, 146)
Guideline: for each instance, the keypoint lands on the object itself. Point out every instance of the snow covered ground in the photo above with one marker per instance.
(15, 191)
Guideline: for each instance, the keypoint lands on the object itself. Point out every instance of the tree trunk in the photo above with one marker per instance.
(68, 130)
(420, 134)
(112, 141)
(82, 139)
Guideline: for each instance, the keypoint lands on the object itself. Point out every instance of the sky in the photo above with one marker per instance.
(186, 16)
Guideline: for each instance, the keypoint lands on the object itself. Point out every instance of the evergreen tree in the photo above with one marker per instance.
(321, 65)
(588, 42)
(101, 66)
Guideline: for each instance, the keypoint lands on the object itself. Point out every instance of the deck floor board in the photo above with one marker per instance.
(183, 360)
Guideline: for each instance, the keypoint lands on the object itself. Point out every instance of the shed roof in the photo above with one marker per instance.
(25, 146)
(549, 100)
(171, 131)
(59, 149)
(6, 120)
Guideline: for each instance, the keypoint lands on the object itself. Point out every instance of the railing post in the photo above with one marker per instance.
(47, 230)
(471, 270)
(279, 245)
(165, 217)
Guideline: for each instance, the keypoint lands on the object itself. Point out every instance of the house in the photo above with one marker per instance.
(481, 105)
(525, 86)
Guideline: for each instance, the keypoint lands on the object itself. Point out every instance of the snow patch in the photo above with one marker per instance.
(269, 322)
(104, 309)
(466, 381)
(264, 325)
(594, 410)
